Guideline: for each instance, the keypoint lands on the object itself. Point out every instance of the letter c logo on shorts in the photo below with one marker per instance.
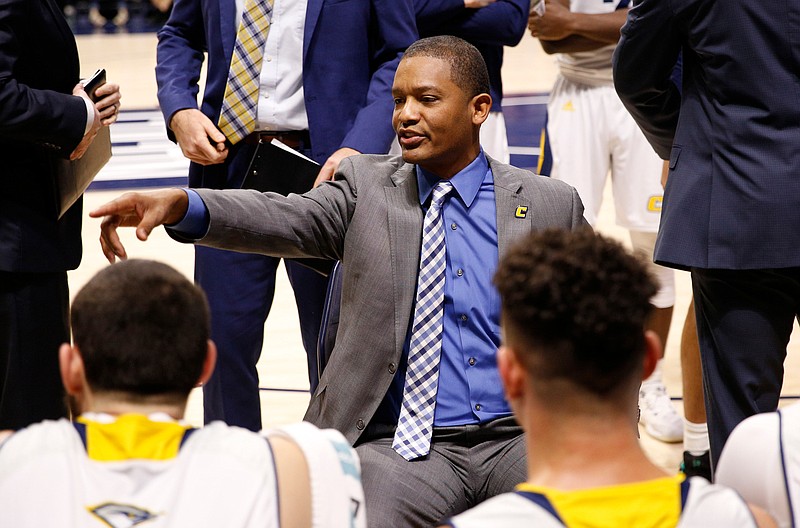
(654, 204)
(521, 212)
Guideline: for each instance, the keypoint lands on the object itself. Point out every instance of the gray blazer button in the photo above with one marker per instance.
(392, 368)
(360, 424)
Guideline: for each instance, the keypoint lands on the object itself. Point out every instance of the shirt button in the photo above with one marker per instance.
(471, 362)
(269, 59)
(477, 406)
(360, 424)
(460, 272)
(463, 317)
(392, 368)
(453, 226)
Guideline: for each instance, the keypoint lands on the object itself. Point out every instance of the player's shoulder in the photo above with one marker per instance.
(508, 510)
(714, 505)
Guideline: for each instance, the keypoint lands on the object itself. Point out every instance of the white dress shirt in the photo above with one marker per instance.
(281, 105)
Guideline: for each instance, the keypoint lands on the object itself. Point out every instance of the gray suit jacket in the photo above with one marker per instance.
(370, 218)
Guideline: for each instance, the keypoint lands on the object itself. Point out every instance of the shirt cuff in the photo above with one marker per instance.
(195, 223)
(89, 114)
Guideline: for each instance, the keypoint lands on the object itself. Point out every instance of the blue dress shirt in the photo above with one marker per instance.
(470, 390)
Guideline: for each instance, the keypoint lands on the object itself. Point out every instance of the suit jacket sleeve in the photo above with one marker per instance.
(501, 24)
(181, 43)
(44, 116)
(394, 29)
(310, 225)
(643, 61)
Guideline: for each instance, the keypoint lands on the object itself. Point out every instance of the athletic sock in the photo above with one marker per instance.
(695, 437)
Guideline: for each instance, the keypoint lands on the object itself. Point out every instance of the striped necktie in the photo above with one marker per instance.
(412, 439)
(238, 116)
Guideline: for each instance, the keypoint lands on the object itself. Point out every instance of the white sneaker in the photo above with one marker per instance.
(658, 415)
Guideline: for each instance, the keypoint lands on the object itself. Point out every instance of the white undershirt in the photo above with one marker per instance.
(281, 105)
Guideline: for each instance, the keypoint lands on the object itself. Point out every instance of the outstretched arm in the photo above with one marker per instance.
(144, 211)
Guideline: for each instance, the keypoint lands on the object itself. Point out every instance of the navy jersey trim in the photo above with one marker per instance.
(684, 493)
(189, 432)
(541, 501)
(80, 428)
(783, 468)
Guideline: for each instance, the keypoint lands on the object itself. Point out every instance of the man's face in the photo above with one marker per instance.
(435, 120)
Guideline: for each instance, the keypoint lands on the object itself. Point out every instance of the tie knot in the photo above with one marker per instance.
(441, 190)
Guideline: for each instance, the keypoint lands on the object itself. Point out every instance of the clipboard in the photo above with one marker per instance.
(74, 176)
(277, 168)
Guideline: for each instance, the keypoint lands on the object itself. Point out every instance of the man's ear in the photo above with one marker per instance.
(512, 372)
(481, 105)
(208, 364)
(652, 353)
(73, 374)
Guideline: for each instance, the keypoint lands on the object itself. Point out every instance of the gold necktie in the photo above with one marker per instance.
(238, 116)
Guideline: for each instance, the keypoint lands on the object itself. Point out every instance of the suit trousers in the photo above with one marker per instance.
(34, 310)
(744, 321)
(240, 288)
(466, 465)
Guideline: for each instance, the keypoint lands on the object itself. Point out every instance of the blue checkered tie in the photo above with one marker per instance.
(240, 103)
(412, 438)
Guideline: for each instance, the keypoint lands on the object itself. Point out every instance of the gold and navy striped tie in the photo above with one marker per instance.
(238, 116)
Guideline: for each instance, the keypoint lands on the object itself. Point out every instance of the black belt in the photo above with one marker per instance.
(295, 139)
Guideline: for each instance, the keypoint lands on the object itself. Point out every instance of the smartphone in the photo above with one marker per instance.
(91, 84)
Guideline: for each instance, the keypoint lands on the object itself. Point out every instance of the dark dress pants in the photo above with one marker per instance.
(744, 321)
(34, 310)
(240, 289)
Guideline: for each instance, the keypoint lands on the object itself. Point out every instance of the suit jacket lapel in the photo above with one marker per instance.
(405, 236)
(312, 15)
(514, 215)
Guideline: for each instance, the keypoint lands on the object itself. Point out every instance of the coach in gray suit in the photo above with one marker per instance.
(372, 218)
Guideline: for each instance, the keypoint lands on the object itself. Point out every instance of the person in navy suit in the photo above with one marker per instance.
(324, 90)
(489, 25)
(45, 117)
(732, 202)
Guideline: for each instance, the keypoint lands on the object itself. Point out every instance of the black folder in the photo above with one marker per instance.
(280, 169)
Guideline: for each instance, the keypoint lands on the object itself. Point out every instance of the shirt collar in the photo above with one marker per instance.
(466, 182)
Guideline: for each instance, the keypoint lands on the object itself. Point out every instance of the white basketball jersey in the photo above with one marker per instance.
(706, 506)
(591, 67)
(50, 475)
(761, 460)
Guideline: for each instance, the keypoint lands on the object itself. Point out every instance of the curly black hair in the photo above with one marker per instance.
(574, 305)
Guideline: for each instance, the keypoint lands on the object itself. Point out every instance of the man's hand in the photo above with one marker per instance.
(200, 140)
(475, 4)
(89, 136)
(107, 103)
(554, 25)
(144, 211)
(330, 166)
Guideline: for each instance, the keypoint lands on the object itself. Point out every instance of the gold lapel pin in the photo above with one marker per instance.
(521, 212)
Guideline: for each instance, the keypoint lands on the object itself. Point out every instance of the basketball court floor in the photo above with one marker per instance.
(143, 157)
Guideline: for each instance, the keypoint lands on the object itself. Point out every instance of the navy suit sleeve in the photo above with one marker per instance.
(502, 23)
(181, 43)
(394, 29)
(47, 117)
(643, 62)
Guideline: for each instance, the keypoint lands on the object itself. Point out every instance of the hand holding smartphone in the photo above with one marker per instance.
(94, 82)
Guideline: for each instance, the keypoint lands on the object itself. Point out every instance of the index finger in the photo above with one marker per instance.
(119, 206)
